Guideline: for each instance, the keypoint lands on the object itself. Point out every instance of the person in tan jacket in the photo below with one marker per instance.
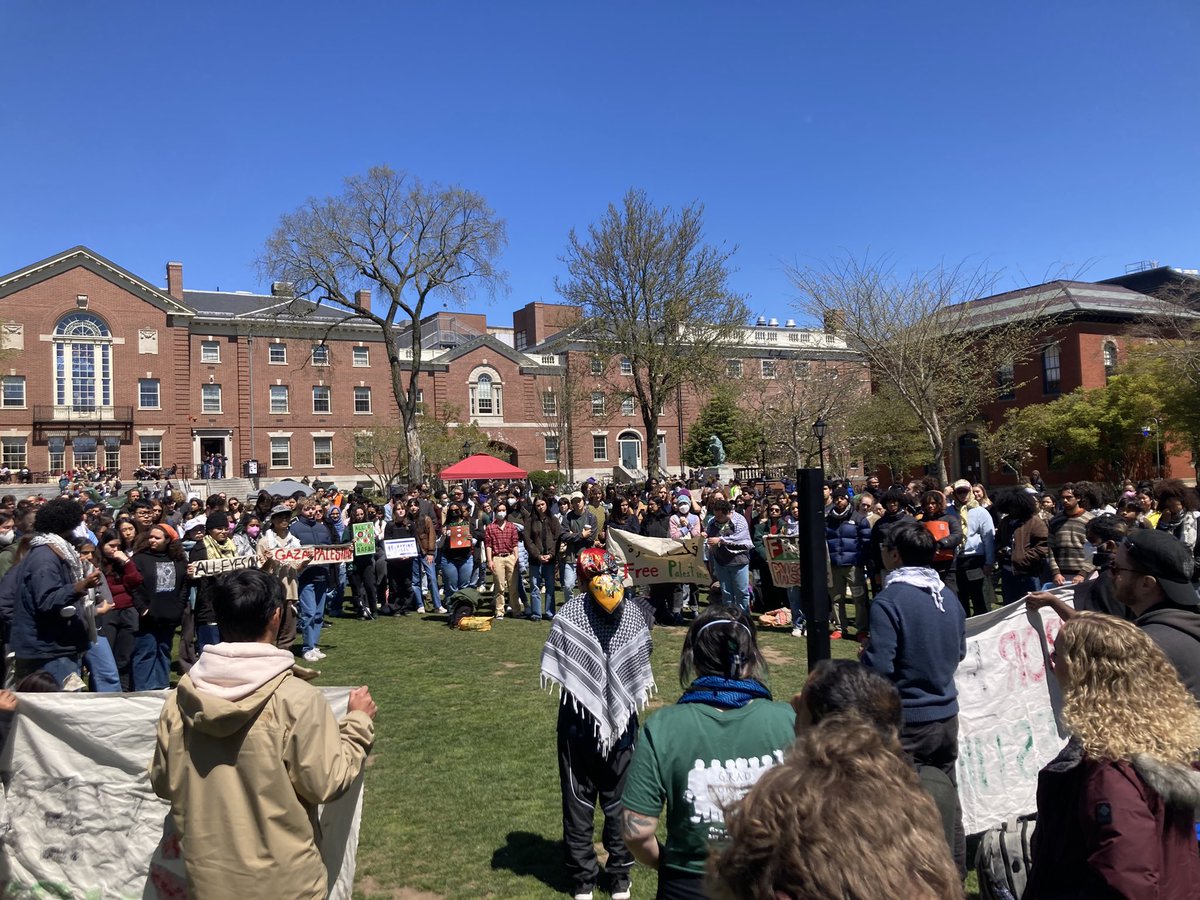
(246, 752)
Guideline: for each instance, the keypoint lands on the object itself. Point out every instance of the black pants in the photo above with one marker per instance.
(400, 592)
(936, 744)
(361, 573)
(587, 775)
(119, 627)
(676, 885)
(970, 579)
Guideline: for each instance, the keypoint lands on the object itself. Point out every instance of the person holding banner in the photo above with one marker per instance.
(362, 568)
(1117, 807)
(313, 580)
(279, 537)
(399, 568)
(216, 544)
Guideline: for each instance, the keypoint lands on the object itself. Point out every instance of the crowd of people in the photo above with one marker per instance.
(760, 798)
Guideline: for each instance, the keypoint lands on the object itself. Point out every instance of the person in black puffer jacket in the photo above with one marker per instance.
(848, 539)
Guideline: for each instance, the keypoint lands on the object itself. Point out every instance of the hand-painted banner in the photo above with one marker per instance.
(783, 559)
(650, 560)
(400, 548)
(206, 568)
(80, 819)
(364, 538)
(1007, 704)
(320, 554)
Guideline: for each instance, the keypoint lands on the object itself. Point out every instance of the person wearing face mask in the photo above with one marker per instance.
(8, 544)
(500, 541)
(248, 532)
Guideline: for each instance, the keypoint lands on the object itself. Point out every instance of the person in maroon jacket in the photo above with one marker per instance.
(1116, 809)
(120, 626)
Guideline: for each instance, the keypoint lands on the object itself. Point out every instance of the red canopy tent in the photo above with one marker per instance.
(481, 466)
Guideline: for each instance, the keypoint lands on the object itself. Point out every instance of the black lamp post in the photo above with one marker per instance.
(818, 430)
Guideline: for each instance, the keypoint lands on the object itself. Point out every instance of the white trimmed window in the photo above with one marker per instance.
(12, 452)
(210, 398)
(148, 394)
(551, 442)
(597, 366)
(210, 351)
(597, 403)
(322, 401)
(320, 354)
(279, 398)
(768, 368)
(599, 447)
(277, 354)
(360, 357)
(150, 450)
(14, 391)
(322, 451)
(281, 453)
(627, 406)
(112, 455)
(626, 366)
(549, 404)
(733, 368)
(485, 394)
(362, 400)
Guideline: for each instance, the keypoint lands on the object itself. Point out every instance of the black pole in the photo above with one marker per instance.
(814, 596)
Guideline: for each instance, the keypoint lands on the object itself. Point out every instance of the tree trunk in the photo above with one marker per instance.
(651, 422)
(416, 456)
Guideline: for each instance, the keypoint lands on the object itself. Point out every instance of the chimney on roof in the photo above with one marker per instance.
(175, 280)
(362, 299)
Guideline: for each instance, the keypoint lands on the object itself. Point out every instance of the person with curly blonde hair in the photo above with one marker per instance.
(1116, 808)
(843, 793)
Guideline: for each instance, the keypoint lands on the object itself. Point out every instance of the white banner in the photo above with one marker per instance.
(79, 818)
(649, 560)
(400, 548)
(205, 568)
(1007, 700)
(320, 554)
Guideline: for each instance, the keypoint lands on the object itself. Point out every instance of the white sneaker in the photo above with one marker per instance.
(313, 655)
(622, 893)
(799, 631)
(583, 895)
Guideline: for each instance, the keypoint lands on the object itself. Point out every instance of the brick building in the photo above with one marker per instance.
(102, 367)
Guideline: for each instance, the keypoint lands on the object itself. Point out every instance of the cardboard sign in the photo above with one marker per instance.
(783, 559)
(650, 560)
(400, 548)
(364, 538)
(458, 537)
(1007, 705)
(206, 568)
(320, 554)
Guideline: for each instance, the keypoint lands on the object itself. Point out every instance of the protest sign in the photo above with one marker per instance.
(206, 568)
(650, 560)
(1007, 700)
(320, 554)
(458, 537)
(400, 548)
(81, 820)
(363, 538)
(783, 559)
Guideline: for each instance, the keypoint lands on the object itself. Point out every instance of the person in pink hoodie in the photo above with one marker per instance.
(246, 752)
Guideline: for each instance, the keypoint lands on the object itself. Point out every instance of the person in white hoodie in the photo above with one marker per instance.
(246, 752)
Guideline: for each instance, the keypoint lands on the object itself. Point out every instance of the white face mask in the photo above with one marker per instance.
(6, 537)
(501, 514)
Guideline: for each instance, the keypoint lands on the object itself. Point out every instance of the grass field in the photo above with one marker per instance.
(462, 796)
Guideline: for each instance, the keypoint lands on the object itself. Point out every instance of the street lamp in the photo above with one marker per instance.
(818, 430)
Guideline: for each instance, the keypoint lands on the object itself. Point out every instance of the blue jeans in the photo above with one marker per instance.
(457, 574)
(151, 661)
(735, 585)
(1013, 587)
(60, 667)
(542, 578)
(422, 566)
(311, 605)
(103, 667)
(794, 601)
(335, 592)
(568, 578)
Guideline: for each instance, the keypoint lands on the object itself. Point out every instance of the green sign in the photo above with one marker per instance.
(364, 539)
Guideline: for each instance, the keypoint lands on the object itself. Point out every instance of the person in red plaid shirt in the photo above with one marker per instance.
(500, 542)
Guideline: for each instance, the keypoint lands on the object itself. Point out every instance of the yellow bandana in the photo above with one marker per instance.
(606, 591)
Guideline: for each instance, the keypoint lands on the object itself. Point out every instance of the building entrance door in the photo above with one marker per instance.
(631, 450)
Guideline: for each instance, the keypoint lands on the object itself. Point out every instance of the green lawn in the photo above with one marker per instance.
(462, 797)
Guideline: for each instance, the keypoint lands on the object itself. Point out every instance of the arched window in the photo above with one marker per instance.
(485, 393)
(1110, 358)
(1051, 370)
(82, 362)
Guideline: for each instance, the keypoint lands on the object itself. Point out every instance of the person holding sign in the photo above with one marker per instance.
(399, 568)
(458, 561)
(279, 537)
(362, 567)
(313, 581)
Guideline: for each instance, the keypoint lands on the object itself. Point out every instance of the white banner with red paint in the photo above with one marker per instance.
(319, 554)
(651, 560)
(79, 818)
(1007, 726)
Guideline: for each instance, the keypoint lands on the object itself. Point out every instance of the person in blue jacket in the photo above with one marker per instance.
(848, 538)
(918, 638)
(313, 580)
(48, 628)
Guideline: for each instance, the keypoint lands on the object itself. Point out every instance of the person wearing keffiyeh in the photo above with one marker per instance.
(598, 654)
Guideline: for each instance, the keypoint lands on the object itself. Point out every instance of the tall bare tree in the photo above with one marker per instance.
(408, 242)
(920, 334)
(654, 292)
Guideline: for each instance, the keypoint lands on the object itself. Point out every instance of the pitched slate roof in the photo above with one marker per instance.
(222, 304)
(1072, 299)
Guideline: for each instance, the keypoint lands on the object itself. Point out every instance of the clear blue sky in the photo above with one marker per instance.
(1023, 136)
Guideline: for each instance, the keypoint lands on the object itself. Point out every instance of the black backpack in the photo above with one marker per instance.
(1004, 859)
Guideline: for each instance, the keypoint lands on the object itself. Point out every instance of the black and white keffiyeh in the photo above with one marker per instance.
(64, 549)
(602, 661)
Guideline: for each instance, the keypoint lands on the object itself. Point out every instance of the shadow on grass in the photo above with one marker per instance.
(525, 853)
